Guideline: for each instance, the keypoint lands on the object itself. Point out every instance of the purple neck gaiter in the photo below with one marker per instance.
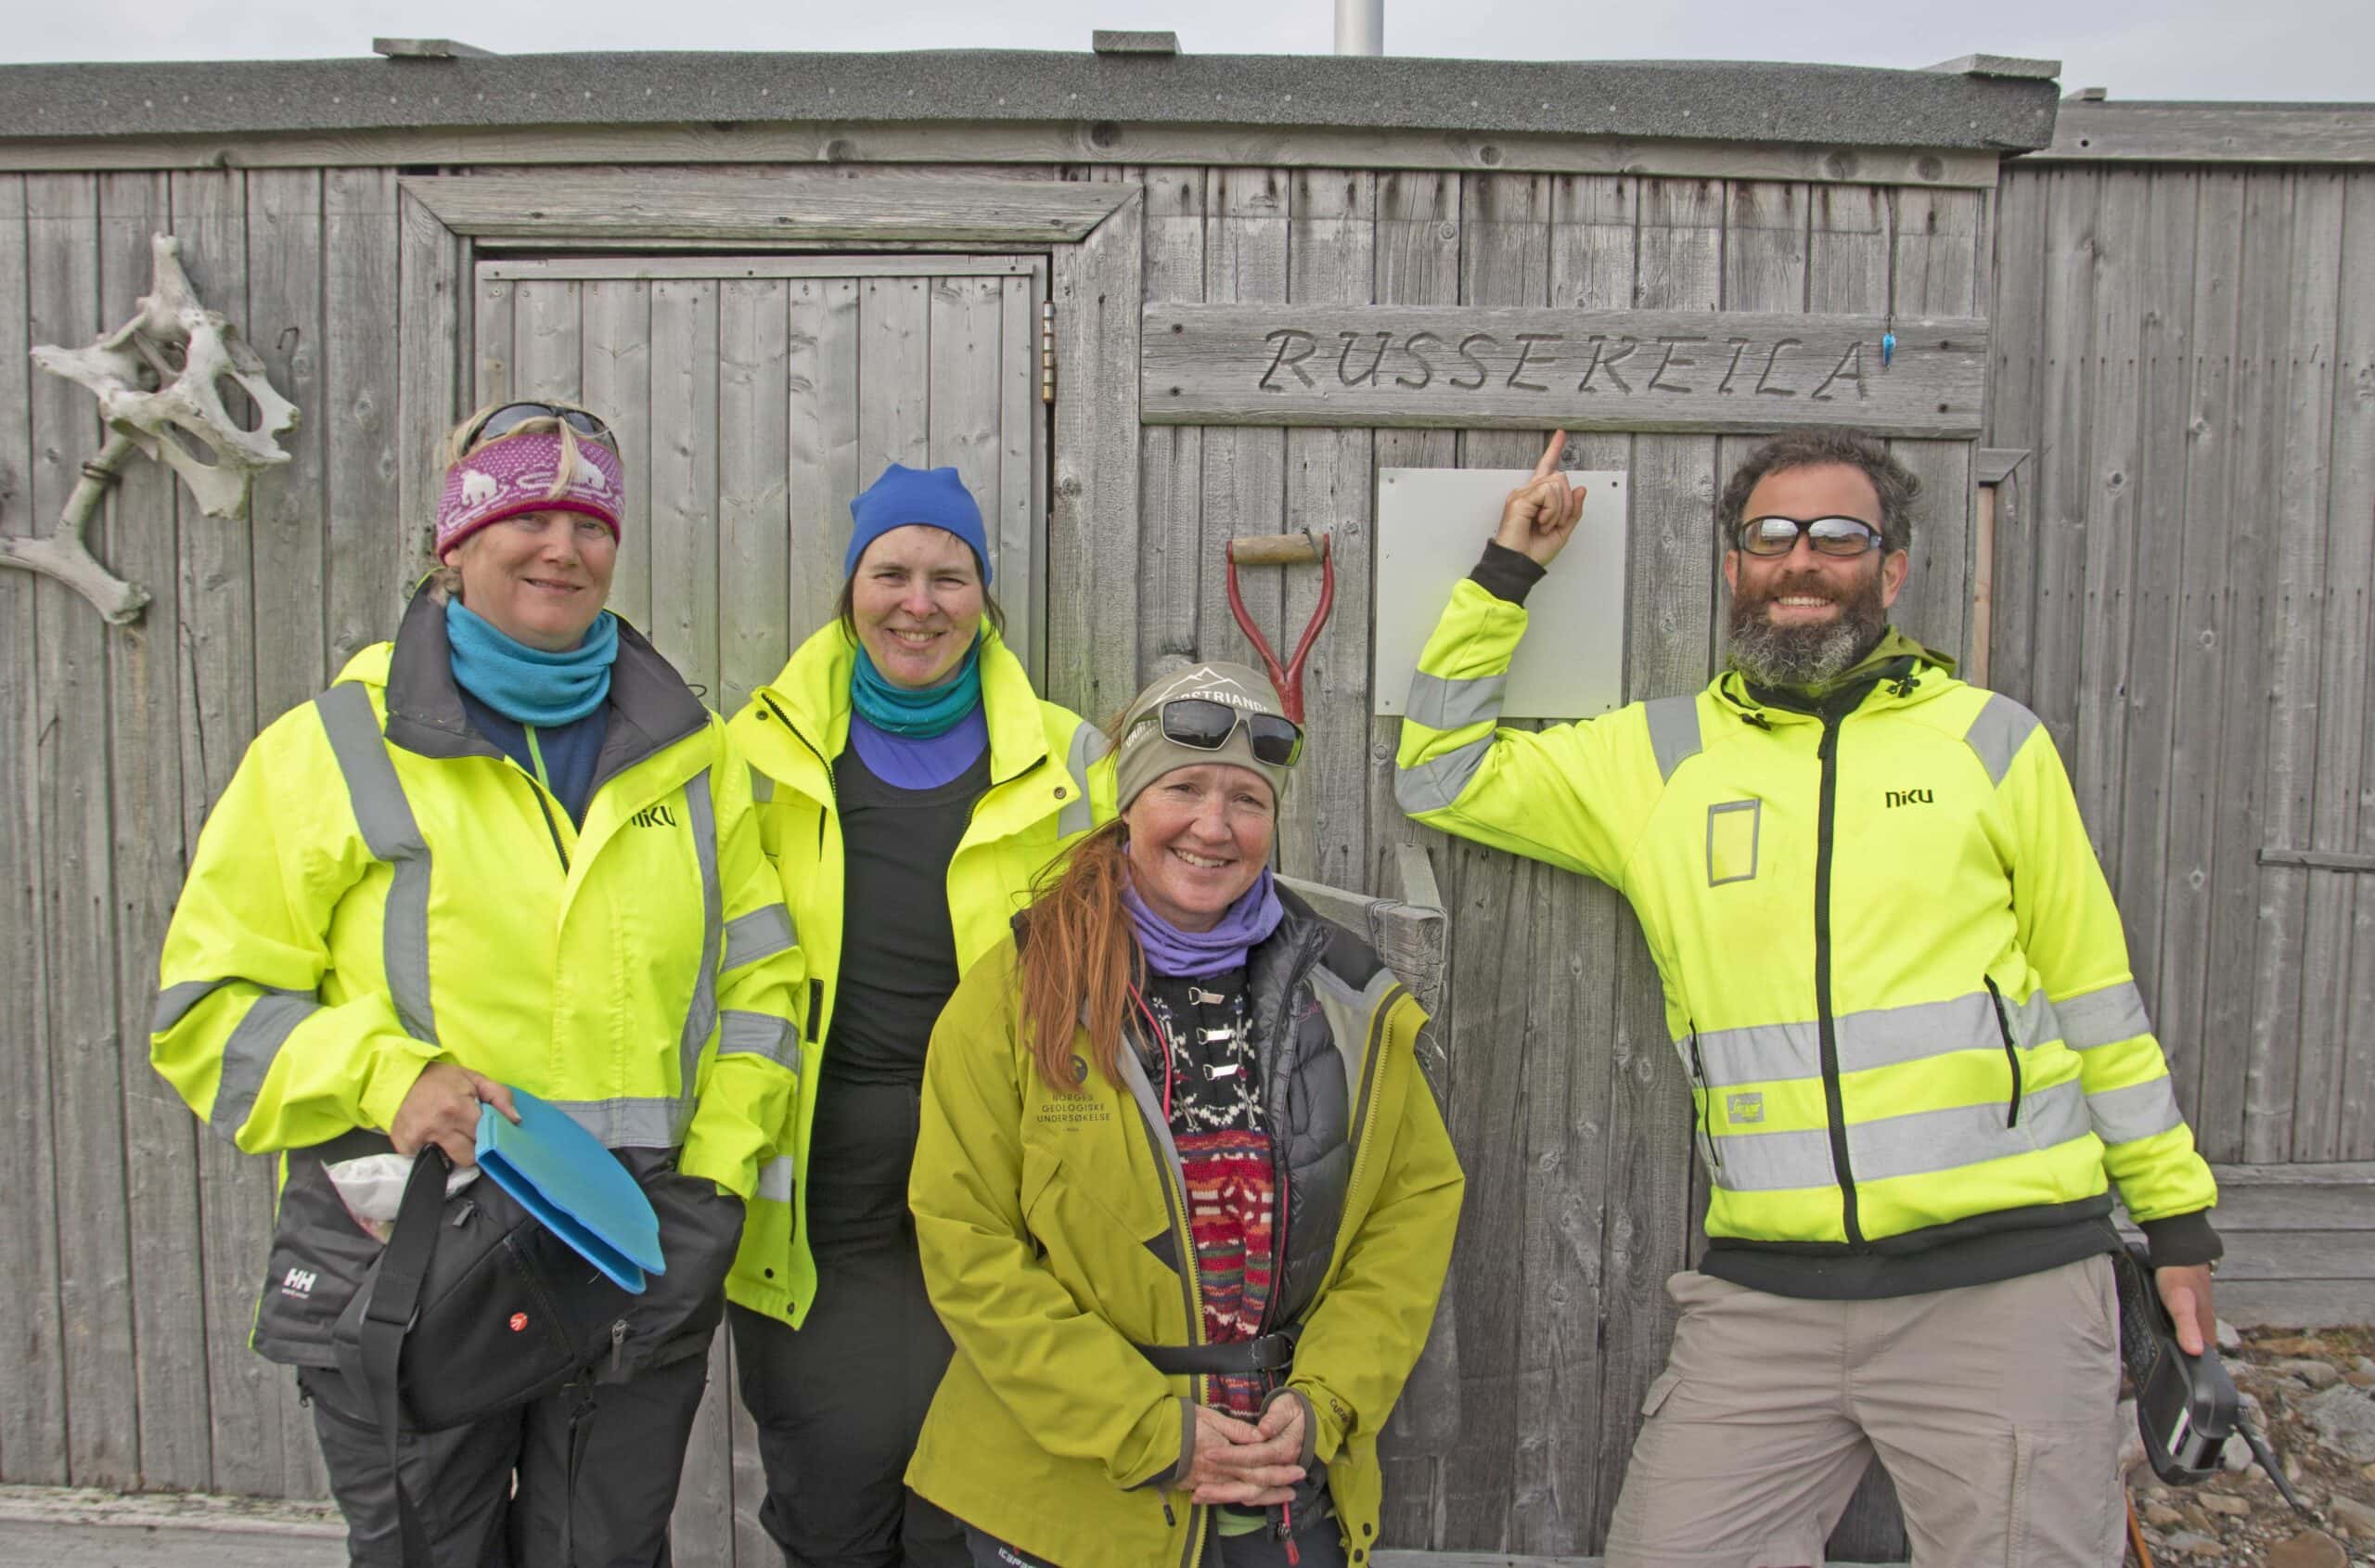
(1197, 955)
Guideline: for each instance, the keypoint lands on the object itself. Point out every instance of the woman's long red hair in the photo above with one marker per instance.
(1080, 958)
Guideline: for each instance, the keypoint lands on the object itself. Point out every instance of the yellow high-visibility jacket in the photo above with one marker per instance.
(380, 887)
(1893, 968)
(1050, 782)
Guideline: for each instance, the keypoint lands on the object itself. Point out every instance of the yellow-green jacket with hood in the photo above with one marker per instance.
(1049, 783)
(1893, 968)
(1055, 1240)
(380, 887)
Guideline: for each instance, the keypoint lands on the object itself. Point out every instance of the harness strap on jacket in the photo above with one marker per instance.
(1264, 1353)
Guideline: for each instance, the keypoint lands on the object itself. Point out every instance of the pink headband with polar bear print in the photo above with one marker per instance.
(516, 474)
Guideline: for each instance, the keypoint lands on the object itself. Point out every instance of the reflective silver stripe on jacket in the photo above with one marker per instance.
(386, 821)
(175, 1001)
(247, 1055)
(1079, 815)
(701, 1016)
(2142, 1110)
(1674, 730)
(1439, 781)
(758, 1033)
(1768, 1053)
(763, 789)
(774, 1180)
(1919, 1144)
(2103, 1018)
(1999, 733)
(1455, 704)
(629, 1122)
(762, 933)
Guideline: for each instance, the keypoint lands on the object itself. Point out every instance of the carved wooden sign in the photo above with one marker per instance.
(1524, 368)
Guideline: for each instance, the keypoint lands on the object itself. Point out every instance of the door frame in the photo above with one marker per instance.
(1091, 230)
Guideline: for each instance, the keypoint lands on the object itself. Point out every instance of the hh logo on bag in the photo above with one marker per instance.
(299, 1283)
(1731, 840)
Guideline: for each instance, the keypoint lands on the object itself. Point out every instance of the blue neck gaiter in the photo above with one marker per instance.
(527, 685)
(933, 710)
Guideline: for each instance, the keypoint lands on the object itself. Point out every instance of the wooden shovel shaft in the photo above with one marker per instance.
(1278, 549)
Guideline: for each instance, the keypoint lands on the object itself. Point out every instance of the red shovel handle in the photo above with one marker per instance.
(1287, 682)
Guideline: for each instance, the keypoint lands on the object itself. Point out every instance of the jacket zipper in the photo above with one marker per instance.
(1706, 1102)
(1191, 1285)
(2012, 1053)
(1827, 760)
(550, 826)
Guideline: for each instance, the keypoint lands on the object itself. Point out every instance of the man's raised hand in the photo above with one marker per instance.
(1541, 514)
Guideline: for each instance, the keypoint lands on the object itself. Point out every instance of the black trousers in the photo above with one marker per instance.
(631, 1438)
(840, 1402)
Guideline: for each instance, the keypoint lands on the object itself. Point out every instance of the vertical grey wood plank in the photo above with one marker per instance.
(1330, 240)
(2163, 304)
(821, 366)
(893, 383)
(963, 428)
(1016, 515)
(2284, 1032)
(615, 382)
(547, 339)
(684, 478)
(375, 549)
(33, 1378)
(1769, 249)
(1938, 269)
(1669, 620)
(495, 324)
(175, 1439)
(2064, 437)
(257, 1431)
(2015, 392)
(1502, 906)
(77, 925)
(285, 321)
(1417, 262)
(430, 379)
(2254, 429)
(701, 1530)
(2210, 537)
(1245, 258)
(2353, 497)
(1171, 457)
(753, 521)
(2343, 562)
(1092, 522)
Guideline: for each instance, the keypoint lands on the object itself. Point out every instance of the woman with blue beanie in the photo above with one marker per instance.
(911, 783)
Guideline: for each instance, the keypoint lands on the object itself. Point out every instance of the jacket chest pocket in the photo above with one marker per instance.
(1734, 829)
(1106, 1235)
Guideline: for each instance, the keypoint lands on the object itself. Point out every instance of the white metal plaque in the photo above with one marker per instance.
(1432, 523)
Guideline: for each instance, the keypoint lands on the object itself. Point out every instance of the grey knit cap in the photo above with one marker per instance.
(1147, 754)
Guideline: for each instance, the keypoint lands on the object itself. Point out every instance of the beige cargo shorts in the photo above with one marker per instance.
(1994, 1407)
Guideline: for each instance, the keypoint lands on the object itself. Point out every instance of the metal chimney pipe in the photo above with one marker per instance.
(1360, 27)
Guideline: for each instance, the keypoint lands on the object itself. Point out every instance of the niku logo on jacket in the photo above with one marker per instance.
(655, 816)
(1909, 797)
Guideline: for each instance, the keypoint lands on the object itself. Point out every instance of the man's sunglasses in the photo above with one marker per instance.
(502, 421)
(1829, 535)
(1202, 725)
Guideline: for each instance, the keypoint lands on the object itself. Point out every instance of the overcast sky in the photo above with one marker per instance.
(2296, 49)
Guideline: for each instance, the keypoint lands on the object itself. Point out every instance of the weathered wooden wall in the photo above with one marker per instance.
(2183, 594)
(131, 1253)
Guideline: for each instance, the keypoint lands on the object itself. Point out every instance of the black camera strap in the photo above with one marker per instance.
(388, 1315)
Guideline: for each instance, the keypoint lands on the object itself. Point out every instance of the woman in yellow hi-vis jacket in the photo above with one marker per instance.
(911, 783)
(1185, 1201)
(509, 848)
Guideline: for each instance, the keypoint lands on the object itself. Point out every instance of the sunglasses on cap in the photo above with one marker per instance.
(1202, 725)
(510, 417)
(1828, 536)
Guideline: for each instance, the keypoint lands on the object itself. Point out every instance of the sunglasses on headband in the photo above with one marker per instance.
(510, 417)
(1202, 725)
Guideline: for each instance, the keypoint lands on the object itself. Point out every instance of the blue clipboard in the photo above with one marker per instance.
(561, 1173)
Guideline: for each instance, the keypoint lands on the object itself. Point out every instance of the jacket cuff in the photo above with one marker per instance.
(1177, 1480)
(392, 1079)
(1310, 1423)
(705, 1159)
(1507, 573)
(2182, 1239)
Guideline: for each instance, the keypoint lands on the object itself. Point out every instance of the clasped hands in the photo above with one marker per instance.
(1247, 1464)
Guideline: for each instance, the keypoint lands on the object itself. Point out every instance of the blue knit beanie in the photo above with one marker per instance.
(905, 496)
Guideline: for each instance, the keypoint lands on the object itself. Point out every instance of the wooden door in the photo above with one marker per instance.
(753, 396)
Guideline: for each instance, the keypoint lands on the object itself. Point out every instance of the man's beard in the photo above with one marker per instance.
(1797, 658)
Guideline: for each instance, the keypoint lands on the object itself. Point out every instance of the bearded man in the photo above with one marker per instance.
(1918, 1063)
